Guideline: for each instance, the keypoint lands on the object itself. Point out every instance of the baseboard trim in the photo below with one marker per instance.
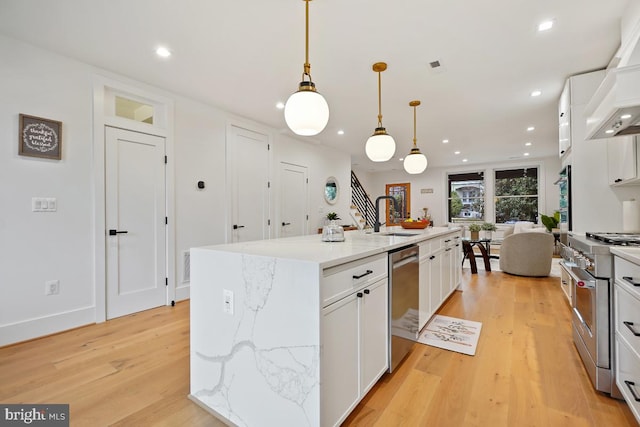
(47, 325)
(183, 293)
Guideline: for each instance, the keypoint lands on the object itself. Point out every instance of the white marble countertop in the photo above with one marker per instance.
(630, 254)
(357, 244)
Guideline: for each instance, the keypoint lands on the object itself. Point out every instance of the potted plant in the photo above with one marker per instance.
(488, 228)
(475, 231)
(551, 222)
(332, 216)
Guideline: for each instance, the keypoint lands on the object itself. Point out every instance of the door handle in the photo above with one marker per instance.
(236, 226)
(360, 276)
(630, 385)
(286, 223)
(114, 232)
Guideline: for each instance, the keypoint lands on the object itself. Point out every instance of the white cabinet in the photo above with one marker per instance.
(626, 313)
(440, 273)
(424, 274)
(623, 161)
(355, 335)
(564, 120)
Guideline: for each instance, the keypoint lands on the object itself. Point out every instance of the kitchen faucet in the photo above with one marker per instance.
(376, 225)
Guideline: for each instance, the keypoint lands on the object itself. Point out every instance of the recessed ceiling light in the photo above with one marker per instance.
(531, 129)
(445, 141)
(528, 144)
(456, 152)
(163, 52)
(536, 92)
(625, 116)
(526, 154)
(465, 160)
(545, 25)
(280, 105)
(340, 132)
(609, 131)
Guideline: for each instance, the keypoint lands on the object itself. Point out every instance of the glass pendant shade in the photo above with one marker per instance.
(380, 146)
(415, 162)
(306, 112)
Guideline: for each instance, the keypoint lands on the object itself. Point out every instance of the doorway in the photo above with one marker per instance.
(248, 173)
(135, 218)
(294, 185)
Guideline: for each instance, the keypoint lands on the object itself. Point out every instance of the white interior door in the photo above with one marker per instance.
(293, 200)
(135, 220)
(248, 171)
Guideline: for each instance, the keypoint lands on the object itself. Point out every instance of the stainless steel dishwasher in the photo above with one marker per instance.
(403, 303)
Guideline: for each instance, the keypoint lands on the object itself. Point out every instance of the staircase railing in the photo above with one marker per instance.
(360, 199)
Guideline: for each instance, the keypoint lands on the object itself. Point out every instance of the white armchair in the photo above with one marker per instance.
(527, 254)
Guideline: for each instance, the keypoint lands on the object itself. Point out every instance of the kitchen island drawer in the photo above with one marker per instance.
(627, 315)
(628, 375)
(341, 280)
(628, 273)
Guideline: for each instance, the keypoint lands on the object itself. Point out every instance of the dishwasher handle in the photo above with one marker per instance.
(405, 261)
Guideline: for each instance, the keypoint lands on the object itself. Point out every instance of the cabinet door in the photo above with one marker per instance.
(374, 334)
(424, 311)
(564, 120)
(445, 281)
(621, 159)
(339, 367)
(435, 280)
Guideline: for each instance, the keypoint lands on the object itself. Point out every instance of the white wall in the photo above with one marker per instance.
(436, 179)
(36, 247)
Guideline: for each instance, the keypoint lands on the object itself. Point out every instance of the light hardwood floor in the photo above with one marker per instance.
(134, 371)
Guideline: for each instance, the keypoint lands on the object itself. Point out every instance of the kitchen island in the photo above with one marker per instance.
(294, 331)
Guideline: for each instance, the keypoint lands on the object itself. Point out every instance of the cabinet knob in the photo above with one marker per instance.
(359, 294)
(367, 291)
(618, 180)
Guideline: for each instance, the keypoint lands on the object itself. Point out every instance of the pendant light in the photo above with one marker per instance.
(415, 162)
(306, 111)
(380, 146)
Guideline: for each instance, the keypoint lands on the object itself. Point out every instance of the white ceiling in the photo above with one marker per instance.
(245, 56)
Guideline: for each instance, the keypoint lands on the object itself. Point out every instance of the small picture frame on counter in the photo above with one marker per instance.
(39, 137)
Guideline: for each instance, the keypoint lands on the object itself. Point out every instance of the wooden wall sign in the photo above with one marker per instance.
(40, 137)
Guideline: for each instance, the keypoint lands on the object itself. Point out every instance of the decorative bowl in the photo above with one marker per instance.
(414, 224)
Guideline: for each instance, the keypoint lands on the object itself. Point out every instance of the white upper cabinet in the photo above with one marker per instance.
(623, 161)
(564, 120)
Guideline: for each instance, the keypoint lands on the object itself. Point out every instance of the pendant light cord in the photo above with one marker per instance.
(379, 100)
(414, 128)
(307, 65)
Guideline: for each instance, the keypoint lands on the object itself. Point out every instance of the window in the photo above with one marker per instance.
(516, 195)
(466, 196)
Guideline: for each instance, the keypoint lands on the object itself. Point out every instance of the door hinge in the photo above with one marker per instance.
(166, 220)
(268, 184)
(268, 222)
(166, 281)
(307, 217)
(307, 180)
(165, 160)
(268, 147)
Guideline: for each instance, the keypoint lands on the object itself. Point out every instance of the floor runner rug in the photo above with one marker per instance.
(452, 334)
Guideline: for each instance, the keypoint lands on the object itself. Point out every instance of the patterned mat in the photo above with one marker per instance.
(452, 334)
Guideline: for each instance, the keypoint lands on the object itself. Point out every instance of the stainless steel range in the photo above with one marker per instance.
(590, 266)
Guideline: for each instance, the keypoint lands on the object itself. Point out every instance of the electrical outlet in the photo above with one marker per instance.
(227, 297)
(52, 287)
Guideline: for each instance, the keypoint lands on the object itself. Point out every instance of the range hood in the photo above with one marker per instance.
(614, 110)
